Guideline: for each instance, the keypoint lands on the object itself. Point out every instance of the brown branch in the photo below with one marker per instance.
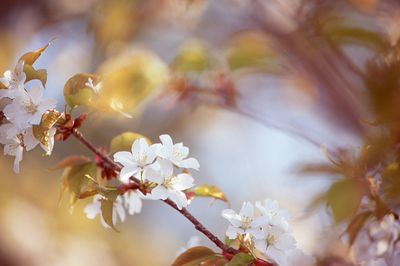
(197, 224)
(200, 227)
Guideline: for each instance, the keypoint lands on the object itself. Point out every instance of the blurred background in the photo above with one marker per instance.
(255, 89)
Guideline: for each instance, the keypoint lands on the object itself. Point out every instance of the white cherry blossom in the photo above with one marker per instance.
(15, 141)
(276, 216)
(244, 222)
(93, 209)
(377, 242)
(276, 245)
(14, 80)
(176, 153)
(141, 156)
(169, 186)
(28, 107)
(133, 202)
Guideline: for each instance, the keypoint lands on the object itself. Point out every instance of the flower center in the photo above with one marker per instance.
(143, 159)
(31, 108)
(168, 182)
(246, 222)
(177, 154)
(271, 240)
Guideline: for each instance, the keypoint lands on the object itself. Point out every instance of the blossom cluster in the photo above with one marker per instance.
(22, 109)
(266, 231)
(378, 242)
(155, 165)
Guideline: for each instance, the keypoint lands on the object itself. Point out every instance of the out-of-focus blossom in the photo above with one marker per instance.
(276, 245)
(133, 202)
(28, 107)
(93, 209)
(15, 141)
(276, 216)
(244, 222)
(377, 242)
(14, 80)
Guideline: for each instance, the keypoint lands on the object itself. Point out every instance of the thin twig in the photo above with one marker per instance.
(197, 224)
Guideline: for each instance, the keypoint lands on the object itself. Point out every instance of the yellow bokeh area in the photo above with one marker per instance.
(128, 79)
(262, 92)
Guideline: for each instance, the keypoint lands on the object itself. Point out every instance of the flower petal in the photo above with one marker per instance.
(166, 167)
(231, 233)
(127, 172)
(232, 217)
(247, 210)
(183, 181)
(153, 175)
(159, 192)
(190, 163)
(125, 158)
(179, 198)
(167, 146)
(133, 202)
(35, 94)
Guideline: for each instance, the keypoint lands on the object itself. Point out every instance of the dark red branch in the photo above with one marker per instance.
(197, 224)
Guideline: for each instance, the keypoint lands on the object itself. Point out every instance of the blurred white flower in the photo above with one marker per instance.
(93, 209)
(96, 88)
(276, 245)
(377, 242)
(14, 81)
(28, 107)
(141, 156)
(133, 202)
(276, 216)
(268, 232)
(193, 241)
(245, 222)
(169, 186)
(15, 141)
(176, 153)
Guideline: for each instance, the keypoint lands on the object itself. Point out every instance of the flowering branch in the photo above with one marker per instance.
(197, 224)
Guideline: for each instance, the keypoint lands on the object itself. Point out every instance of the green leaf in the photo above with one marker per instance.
(252, 50)
(129, 80)
(31, 74)
(195, 256)
(107, 205)
(76, 93)
(344, 197)
(209, 191)
(342, 31)
(75, 182)
(241, 259)
(30, 57)
(124, 141)
(192, 57)
(359, 36)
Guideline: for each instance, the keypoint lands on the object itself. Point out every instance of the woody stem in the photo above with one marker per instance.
(197, 224)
